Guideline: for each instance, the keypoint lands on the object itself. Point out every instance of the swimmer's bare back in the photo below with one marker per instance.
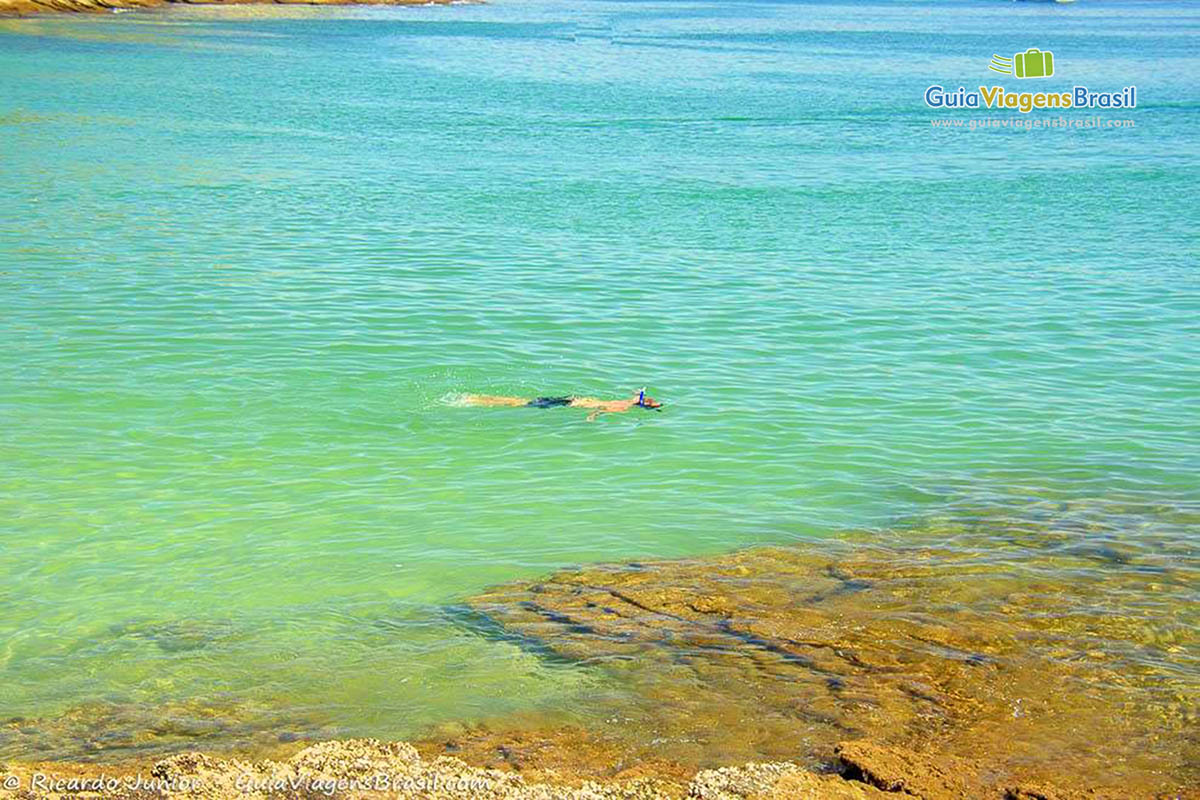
(639, 399)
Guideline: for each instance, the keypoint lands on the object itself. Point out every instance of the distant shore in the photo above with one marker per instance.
(22, 8)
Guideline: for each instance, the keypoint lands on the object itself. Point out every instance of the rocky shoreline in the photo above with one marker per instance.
(366, 768)
(21, 8)
(992, 659)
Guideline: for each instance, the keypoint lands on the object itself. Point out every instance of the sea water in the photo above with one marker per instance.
(251, 257)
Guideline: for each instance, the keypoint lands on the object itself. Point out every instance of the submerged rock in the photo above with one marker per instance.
(178, 636)
(117, 732)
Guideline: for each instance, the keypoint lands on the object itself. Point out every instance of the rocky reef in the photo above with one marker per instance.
(1043, 655)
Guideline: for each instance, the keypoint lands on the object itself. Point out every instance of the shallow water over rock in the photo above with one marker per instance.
(1028, 641)
(105, 732)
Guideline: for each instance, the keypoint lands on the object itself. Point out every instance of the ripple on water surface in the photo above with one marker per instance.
(243, 279)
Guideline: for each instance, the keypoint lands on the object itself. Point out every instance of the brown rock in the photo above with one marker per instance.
(894, 769)
(808, 786)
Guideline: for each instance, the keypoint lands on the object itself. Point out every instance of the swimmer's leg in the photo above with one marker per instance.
(493, 400)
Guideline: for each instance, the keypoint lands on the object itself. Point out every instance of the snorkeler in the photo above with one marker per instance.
(638, 400)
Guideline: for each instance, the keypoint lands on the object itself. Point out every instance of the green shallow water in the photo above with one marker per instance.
(250, 256)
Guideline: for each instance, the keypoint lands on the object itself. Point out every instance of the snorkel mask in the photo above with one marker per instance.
(641, 401)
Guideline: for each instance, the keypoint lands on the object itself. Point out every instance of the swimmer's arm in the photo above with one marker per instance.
(609, 407)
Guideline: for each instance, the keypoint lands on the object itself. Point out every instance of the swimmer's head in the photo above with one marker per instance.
(647, 402)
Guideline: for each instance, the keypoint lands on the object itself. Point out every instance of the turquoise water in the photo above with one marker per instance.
(250, 256)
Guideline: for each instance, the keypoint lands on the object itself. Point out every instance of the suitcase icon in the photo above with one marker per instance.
(1033, 63)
